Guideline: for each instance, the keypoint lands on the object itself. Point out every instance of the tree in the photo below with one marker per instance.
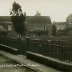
(53, 30)
(18, 19)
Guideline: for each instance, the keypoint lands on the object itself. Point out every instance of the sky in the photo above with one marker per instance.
(58, 10)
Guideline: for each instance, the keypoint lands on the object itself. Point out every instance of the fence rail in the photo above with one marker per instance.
(59, 49)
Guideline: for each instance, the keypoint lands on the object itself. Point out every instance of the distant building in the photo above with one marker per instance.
(69, 21)
(6, 25)
(69, 24)
(60, 25)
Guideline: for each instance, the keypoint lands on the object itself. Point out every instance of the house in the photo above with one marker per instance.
(36, 25)
(6, 23)
(61, 28)
(69, 21)
(69, 24)
(60, 25)
(39, 25)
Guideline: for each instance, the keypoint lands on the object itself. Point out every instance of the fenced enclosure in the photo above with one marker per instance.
(58, 49)
(61, 50)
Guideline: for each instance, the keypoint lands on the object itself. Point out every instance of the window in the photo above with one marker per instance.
(44, 27)
(58, 28)
(31, 28)
(1, 27)
(9, 27)
(62, 28)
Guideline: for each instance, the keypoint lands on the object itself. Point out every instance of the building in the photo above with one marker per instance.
(60, 25)
(69, 24)
(39, 25)
(6, 23)
(36, 25)
(69, 21)
(60, 28)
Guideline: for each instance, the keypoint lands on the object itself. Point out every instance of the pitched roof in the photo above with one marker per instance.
(38, 19)
(29, 19)
(5, 19)
(59, 23)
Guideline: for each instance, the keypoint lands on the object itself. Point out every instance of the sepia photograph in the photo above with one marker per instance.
(35, 35)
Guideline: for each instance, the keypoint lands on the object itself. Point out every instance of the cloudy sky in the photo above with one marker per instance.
(58, 10)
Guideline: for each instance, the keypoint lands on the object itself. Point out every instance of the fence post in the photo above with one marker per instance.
(28, 43)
